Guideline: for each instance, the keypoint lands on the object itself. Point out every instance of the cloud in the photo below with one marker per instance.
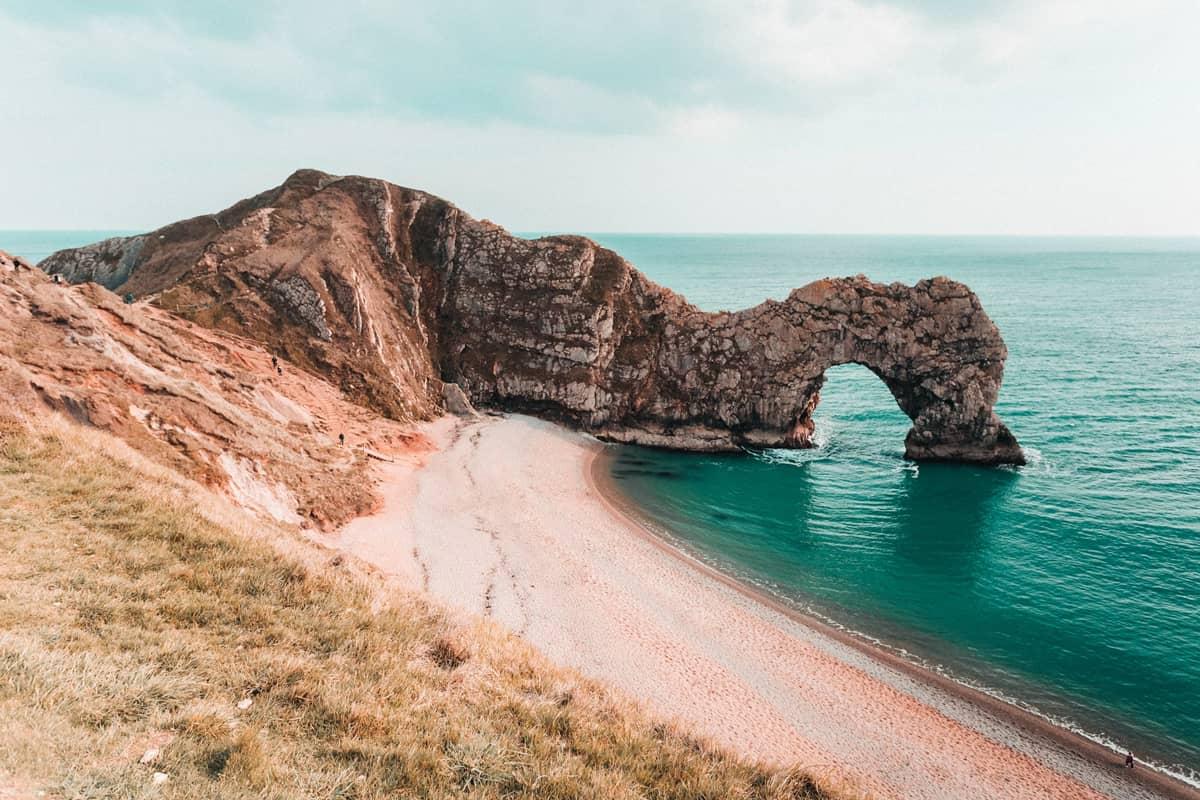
(688, 67)
(704, 122)
(822, 43)
(1031, 30)
(620, 66)
(825, 115)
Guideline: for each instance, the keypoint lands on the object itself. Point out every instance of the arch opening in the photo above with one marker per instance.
(856, 410)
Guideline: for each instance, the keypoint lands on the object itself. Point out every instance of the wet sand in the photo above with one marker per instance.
(513, 518)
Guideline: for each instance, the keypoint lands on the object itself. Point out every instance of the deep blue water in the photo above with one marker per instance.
(1072, 584)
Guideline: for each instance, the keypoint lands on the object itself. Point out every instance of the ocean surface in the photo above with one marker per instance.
(1071, 585)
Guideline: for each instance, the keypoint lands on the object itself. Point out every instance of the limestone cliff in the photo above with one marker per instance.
(394, 293)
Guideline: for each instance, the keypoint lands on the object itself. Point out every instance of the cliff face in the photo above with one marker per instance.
(395, 294)
(206, 404)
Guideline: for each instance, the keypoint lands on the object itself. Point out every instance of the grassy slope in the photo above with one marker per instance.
(129, 618)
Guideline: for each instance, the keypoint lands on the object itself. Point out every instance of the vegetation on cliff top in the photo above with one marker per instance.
(137, 616)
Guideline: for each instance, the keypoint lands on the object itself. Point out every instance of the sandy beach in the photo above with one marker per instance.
(506, 518)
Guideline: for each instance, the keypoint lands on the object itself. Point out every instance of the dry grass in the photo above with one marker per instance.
(129, 620)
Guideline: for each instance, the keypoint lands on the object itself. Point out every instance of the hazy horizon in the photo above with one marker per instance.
(857, 117)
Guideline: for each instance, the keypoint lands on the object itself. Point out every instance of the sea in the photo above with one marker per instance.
(1069, 586)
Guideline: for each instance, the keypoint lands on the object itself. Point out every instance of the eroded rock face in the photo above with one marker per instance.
(393, 293)
(206, 404)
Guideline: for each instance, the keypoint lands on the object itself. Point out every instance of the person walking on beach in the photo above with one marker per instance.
(1129, 761)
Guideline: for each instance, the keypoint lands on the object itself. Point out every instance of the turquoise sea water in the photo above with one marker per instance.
(1071, 585)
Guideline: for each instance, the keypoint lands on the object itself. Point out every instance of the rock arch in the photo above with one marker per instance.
(753, 378)
(609, 351)
(558, 327)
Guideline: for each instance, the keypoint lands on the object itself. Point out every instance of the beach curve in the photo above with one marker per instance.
(512, 518)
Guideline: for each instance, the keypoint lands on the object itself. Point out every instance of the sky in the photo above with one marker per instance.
(784, 116)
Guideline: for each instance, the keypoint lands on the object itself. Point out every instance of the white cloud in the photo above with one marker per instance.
(823, 41)
(813, 115)
(704, 122)
(1034, 30)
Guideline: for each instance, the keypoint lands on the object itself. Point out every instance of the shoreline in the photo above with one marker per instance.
(606, 488)
(510, 517)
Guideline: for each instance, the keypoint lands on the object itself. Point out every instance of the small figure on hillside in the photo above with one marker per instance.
(274, 362)
(129, 299)
(56, 278)
(342, 439)
(1129, 760)
(279, 370)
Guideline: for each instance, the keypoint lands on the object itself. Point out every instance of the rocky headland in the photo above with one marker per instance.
(411, 306)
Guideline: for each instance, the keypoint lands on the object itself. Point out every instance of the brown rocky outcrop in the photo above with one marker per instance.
(394, 293)
(204, 403)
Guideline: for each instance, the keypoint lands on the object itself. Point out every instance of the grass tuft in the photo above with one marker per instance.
(447, 654)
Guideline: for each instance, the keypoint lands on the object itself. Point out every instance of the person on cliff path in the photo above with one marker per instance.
(274, 362)
(1129, 760)
(342, 439)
